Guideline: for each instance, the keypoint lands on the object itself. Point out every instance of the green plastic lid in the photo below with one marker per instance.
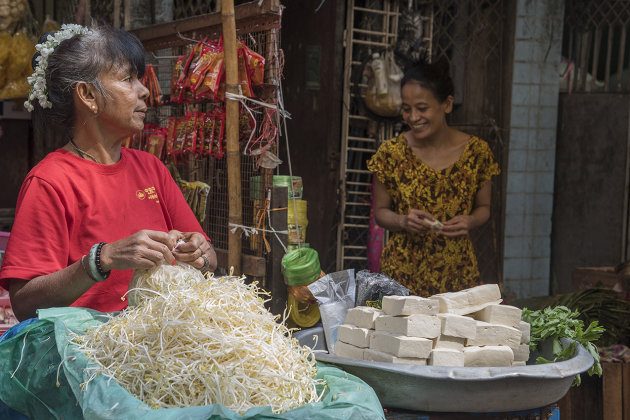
(301, 266)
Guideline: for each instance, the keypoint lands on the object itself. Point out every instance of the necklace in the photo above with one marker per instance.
(83, 153)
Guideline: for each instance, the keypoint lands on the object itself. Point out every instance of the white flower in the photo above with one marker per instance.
(38, 79)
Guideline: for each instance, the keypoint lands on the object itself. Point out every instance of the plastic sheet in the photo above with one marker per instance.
(41, 352)
(371, 287)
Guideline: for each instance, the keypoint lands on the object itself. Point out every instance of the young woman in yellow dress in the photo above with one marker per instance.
(432, 187)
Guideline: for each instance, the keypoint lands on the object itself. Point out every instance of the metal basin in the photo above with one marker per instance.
(459, 389)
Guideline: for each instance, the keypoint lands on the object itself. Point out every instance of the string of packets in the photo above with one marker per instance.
(198, 133)
(201, 75)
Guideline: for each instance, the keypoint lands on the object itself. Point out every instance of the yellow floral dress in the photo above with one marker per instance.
(429, 263)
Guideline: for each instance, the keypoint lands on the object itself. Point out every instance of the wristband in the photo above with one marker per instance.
(94, 259)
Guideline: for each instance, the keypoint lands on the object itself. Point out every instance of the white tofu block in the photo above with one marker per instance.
(519, 364)
(495, 335)
(448, 342)
(521, 353)
(425, 326)
(362, 316)
(446, 357)
(348, 350)
(470, 300)
(500, 314)
(409, 305)
(401, 345)
(458, 325)
(359, 337)
(525, 331)
(488, 356)
(379, 356)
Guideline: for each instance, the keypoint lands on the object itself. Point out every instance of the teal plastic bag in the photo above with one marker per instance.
(29, 364)
(346, 396)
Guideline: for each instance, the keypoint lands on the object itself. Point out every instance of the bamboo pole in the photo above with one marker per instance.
(235, 206)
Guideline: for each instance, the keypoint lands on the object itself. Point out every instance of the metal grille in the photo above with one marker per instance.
(469, 34)
(186, 8)
(595, 45)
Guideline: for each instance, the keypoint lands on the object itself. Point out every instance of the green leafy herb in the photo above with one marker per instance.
(560, 322)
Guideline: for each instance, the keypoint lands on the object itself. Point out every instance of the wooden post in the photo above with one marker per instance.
(277, 288)
(235, 205)
(612, 391)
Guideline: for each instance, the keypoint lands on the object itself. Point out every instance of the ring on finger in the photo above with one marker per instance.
(206, 264)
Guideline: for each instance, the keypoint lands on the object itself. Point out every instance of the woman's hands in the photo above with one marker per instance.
(457, 226)
(143, 249)
(149, 248)
(419, 221)
(196, 251)
(416, 221)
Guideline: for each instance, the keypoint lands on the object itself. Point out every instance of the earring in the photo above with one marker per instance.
(94, 108)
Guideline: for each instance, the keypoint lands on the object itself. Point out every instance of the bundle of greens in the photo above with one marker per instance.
(607, 307)
(560, 322)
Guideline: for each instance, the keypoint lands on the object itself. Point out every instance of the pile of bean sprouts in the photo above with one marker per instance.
(189, 340)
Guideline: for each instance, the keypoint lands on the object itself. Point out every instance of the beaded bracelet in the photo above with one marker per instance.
(95, 262)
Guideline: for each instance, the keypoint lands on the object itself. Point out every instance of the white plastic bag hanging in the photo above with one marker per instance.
(383, 92)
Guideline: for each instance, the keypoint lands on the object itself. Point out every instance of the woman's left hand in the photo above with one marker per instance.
(457, 226)
(196, 251)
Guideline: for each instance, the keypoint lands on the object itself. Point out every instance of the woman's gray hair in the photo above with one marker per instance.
(83, 58)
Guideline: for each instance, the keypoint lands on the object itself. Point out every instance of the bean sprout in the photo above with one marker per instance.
(187, 340)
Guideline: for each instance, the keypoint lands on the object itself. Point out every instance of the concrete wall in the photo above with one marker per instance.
(531, 156)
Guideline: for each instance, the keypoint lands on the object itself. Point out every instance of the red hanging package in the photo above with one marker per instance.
(243, 74)
(217, 136)
(177, 70)
(255, 66)
(191, 132)
(149, 80)
(185, 94)
(214, 73)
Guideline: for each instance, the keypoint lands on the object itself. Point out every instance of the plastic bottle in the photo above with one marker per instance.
(380, 78)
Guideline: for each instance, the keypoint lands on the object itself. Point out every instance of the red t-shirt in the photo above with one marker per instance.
(67, 204)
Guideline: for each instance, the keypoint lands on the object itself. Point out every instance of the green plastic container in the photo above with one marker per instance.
(278, 181)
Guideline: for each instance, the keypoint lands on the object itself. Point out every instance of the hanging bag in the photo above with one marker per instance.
(382, 96)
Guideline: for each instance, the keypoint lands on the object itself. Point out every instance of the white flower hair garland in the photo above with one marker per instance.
(38, 79)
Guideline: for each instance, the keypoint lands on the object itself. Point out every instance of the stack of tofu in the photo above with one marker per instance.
(466, 328)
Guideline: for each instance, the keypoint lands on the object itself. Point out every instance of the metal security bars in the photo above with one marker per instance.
(596, 46)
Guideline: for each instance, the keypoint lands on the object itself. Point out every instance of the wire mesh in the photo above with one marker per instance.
(212, 170)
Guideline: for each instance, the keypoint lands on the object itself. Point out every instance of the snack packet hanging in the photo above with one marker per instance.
(191, 132)
(255, 66)
(217, 136)
(177, 71)
(208, 133)
(150, 81)
(179, 138)
(185, 94)
(198, 70)
(210, 85)
(243, 73)
(155, 143)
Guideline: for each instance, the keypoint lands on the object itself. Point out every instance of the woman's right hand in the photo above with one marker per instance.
(144, 249)
(416, 221)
